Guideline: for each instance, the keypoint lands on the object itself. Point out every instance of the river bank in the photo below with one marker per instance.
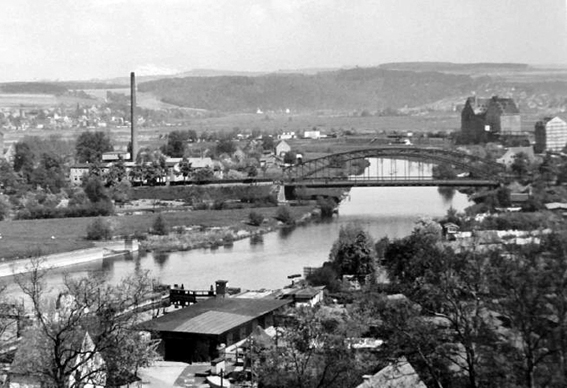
(107, 249)
(31, 238)
(195, 237)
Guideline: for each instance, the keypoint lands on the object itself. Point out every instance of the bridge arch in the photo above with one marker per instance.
(319, 168)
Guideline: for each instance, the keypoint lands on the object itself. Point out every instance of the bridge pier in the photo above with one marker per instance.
(281, 195)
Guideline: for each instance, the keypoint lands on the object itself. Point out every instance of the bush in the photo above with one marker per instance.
(327, 206)
(283, 214)
(160, 226)
(325, 276)
(255, 218)
(100, 229)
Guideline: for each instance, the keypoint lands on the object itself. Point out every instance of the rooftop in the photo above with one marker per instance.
(214, 316)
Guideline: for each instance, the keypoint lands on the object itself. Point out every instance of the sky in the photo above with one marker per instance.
(90, 39)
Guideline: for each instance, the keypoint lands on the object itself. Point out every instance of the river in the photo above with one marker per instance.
(267, 262)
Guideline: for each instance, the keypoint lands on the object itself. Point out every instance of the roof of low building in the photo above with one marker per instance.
(303, 293)
(214, 316)
(397, 375)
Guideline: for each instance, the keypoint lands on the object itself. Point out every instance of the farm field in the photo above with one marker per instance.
(31, 237)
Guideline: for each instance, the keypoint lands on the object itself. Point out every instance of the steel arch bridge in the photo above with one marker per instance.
(332, 170)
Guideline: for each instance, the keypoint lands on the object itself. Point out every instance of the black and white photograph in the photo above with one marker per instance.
(283, 194)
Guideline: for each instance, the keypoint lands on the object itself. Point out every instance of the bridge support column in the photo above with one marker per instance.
(281, 195)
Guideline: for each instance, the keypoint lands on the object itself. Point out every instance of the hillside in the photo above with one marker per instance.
(360, 88)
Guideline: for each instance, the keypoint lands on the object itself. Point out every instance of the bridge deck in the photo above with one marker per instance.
(393, 183)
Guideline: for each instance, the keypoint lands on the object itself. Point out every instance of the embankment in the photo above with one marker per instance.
(198, 237)
(80, 256)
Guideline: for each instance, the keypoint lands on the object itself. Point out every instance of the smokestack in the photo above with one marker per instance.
(133, 134)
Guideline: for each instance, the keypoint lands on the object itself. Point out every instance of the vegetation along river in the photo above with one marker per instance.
(266, 263)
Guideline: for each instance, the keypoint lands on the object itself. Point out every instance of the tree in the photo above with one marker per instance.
(268, 143)
(10, 182)
(203, 174)
(313, 353)
(116, 173)
(283, 214)
(176, 143)
(24, 160)
(153, 172)
(91, 145)
(520, 165)
(353, 252)
(4, 207)
(49, 173)
(100, 229)
(160, 226)
(290, 157)
(85, 306)
(255, 218)
(95, 191)
(185, 168)
(521, 284)
(225, 146)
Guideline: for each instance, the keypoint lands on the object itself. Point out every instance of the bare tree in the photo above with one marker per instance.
(87, 335)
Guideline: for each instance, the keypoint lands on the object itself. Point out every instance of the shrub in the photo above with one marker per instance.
(325, 276)
(99, 229)
(160, 226)
(283, 214)
(327, 206)
(255, 218)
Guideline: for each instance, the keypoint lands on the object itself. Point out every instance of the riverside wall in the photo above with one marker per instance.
(103, 250)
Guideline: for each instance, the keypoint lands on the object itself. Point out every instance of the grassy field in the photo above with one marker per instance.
(30, 237)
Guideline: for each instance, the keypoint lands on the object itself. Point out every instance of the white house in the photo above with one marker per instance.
(282, 148)
(315, 134)
(508, 158)
(287, 136)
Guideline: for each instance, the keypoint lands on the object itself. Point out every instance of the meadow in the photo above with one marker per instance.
(32, 237)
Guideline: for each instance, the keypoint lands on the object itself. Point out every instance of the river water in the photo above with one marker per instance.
(268, 261)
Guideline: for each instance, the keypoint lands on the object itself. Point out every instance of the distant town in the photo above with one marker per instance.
(473, 297)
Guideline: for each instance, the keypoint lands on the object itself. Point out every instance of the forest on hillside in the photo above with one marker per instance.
(359, 88)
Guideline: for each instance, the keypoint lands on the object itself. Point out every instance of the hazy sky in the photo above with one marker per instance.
(84, 39)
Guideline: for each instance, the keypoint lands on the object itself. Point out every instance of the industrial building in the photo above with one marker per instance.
(194, 333)
(484, 118)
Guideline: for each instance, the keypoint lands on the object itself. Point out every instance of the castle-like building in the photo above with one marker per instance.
(483, 119)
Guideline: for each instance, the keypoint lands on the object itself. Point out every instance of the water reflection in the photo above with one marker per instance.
(447, 193)
(286, 232)
(160, 258)
(257, 239)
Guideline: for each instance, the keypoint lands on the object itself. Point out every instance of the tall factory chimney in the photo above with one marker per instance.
(134, 134)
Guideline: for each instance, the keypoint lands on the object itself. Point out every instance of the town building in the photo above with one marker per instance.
(282, 148)
(287, 136)
(112, 156)
(399, 374)
(508, 158)
(304, 297)
(550, 135)
(482, 119)
(314, 134)
(194, 333)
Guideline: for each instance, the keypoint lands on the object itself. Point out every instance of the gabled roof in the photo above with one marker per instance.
(303, 293)
(505, 106)
(214, 316)
(478, 105)
(398, 375)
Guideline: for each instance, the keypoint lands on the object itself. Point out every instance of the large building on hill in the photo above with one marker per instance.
(482, 119)
(550, 135)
